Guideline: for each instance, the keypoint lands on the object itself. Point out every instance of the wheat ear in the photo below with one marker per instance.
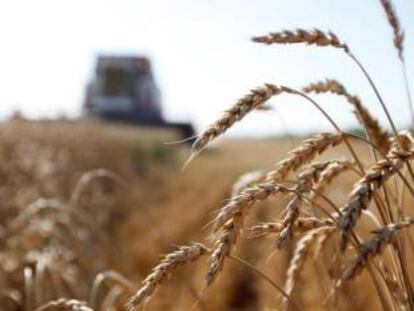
(364, 189)
(299, 156)
(305, 153)
(305, 182)
(396, 27)
(312, 37)
(302, 249)
(399, 45)
(183, 255)
(243, 106)
(373, 247)
(328, 175)
(223, 247)
(375, 132)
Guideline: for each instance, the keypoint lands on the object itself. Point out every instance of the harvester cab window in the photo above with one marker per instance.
(117, 82)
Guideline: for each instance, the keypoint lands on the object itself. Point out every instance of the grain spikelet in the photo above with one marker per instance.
(302, 224)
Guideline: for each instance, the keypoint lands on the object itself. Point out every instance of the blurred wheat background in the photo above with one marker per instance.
(83, 200)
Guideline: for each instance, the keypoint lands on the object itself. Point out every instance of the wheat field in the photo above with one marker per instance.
(98, 216)
(88, 208)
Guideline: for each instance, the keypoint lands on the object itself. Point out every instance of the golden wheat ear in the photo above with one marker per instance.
(301, 252)
(396, 27)
(373, 247)
(377, 135)
(366, 187)
(255, 99)
(182, 256)
(315, 37)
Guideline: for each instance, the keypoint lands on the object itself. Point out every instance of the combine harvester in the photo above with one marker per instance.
(123, 90)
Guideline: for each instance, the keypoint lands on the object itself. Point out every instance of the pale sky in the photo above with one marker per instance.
(202, 55)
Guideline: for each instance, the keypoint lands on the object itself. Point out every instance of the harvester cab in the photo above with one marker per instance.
(123, 89)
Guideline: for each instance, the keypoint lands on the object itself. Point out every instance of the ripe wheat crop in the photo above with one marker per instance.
(311, 223)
